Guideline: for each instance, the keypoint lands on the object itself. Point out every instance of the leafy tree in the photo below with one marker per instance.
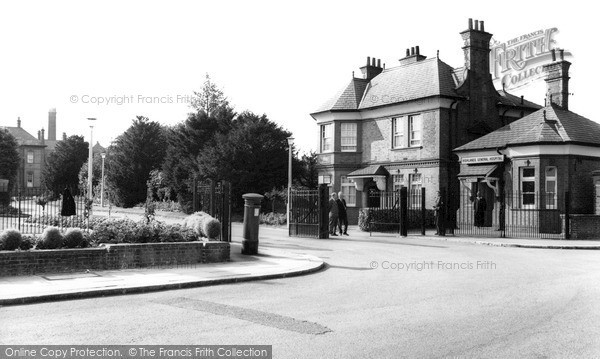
(211, 99)
(305, 172)
(139, 150)
(96, 172)
(252, 156)
(185, 142)
(9, 163)
(63, 165)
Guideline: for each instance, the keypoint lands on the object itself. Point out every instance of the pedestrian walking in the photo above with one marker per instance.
(342, 215)
(438, 211)
(333, 214)
(480, 208)
(68, 204)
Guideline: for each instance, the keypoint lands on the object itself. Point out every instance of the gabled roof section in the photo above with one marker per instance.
(550, 124)
(23, 137)
(346, 99)
(430, 77)
(515, 101)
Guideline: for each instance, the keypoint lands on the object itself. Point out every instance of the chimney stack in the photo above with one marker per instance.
(477, 48)
(64, 136)
(19, 122)
(557, 81)
(413, 55)
(372, 68)
(52, 124)
(42, 136)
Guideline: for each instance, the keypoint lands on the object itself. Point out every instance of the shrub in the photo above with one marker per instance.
(204, 225)
(10, 240)
(51, 238)
(27, 242)
(74, 238)
(117, 230)
(273, 219)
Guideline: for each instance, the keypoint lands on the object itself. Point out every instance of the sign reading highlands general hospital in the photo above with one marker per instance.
(519, 61)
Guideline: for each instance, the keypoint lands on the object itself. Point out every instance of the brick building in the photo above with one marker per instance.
(398, 126)
(539, 157)
(33, 152)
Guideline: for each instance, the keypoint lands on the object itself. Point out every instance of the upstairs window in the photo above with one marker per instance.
(349, 137)
(415, 125)
(29, 156)
(327, 138)
(398, 132)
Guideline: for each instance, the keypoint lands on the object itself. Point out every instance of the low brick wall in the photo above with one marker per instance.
(112, 256)
(584, 226)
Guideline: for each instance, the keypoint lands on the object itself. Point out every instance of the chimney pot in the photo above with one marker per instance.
(373, 62)
(407, 52)
(19, 122)
(64, 136)
(553, 55)
(521, 99)
(562, 54)
(417, 50)
(412, 51)
(476, 24)
(378, 62)
(368, 60)
(39, 135)
(481, 25)
(470, 24)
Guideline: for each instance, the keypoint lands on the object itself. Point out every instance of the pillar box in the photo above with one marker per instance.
(251, 222)
(596, 179)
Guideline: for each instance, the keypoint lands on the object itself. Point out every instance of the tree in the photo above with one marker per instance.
(305, 171)
(96, 173)
(9, 163)
(211, 99)
(185, 142)
(63, 165)
(139, 150)
(252, 156)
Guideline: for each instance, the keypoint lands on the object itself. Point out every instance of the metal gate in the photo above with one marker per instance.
(386, 216)
(214, 198)
(308, 215)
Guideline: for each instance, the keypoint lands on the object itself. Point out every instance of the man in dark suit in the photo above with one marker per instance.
(480, 208)
(342, 214)
(333, 214)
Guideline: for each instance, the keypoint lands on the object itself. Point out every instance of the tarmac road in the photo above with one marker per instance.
(380, 297)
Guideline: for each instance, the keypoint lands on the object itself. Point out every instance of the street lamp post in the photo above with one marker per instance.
(289, 191)
(102, 187)
(90, 159)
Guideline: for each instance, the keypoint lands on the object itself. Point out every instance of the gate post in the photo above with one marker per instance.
(443, 211)
(212, 199)
(567, 210)
(226, 211)
(403, 211)
(323, 211)
(423, 211)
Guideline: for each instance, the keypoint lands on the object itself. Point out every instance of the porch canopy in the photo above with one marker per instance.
(487, 172)
(375, 172)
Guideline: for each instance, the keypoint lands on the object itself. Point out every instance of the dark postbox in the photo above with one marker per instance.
(251, 222)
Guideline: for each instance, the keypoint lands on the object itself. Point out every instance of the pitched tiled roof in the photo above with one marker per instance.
(512, 100)
(431, 77)
(373, 170)
(348, 98)
(550, 124)
(23, 137)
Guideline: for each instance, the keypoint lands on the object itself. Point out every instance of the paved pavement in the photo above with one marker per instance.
(270, 263)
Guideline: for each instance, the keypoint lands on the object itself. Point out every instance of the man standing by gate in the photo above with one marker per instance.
(343, 214)
(333, 214)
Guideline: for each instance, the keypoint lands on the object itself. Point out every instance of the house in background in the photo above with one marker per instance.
(33, 152)
(398, 126)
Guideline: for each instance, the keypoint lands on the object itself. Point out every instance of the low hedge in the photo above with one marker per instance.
(385, 219)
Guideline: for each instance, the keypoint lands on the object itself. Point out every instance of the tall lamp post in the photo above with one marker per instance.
(90, 159)
(289, 191)
(102, 187)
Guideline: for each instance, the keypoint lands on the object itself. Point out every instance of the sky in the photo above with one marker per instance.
(283, 59)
